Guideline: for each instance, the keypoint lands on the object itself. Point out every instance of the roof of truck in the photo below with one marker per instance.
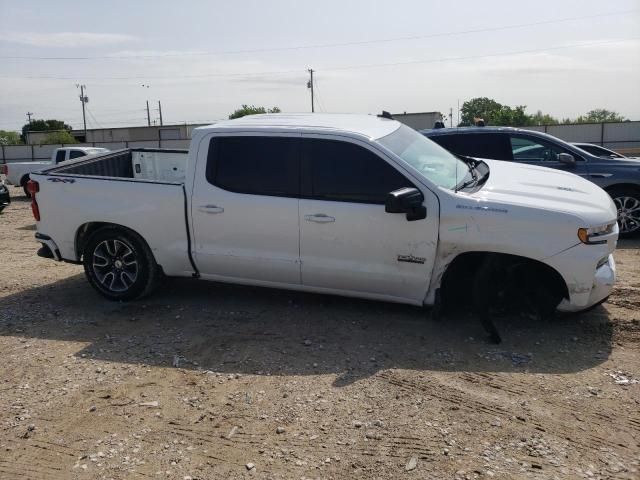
(369, 126)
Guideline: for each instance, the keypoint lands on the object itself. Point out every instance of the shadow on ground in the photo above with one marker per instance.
(261, 331)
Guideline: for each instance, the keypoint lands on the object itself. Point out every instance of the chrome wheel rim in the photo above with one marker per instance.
(115, 265)
(628, 213)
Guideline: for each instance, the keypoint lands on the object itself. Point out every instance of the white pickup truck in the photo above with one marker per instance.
(18, 172)
(352, 205)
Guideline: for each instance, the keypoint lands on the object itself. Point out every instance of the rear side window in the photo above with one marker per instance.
(76, 154)
(345, 172)
(254, 165)
(60, 156)
(483, 145)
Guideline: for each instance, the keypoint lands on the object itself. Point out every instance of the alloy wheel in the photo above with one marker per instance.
(115, 265)
(628, 213)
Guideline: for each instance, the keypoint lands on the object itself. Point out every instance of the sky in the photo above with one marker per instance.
(203, 59)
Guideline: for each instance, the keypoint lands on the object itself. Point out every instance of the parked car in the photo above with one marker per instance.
(619, 177)
(18, 172)
(599, 151)
(5, 198)
(352, 205)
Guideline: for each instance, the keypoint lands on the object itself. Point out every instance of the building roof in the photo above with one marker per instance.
(369, 126)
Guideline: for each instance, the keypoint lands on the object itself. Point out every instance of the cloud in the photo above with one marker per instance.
(66, 39)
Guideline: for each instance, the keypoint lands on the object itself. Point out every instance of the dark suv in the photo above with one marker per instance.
(620, 177)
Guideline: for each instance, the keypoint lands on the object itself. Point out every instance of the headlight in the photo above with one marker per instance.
(590, 235)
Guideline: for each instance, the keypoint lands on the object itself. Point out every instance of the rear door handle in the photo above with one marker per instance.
(319, 218)
(210, 209)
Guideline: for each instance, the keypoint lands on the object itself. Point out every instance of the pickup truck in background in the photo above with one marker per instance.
(353, 205)
(17, 173)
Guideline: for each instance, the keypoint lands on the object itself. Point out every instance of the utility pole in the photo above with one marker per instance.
(84, 99)
(310, 85)
(29, 116)
(148, 115)
(451, 116)
(160, 111)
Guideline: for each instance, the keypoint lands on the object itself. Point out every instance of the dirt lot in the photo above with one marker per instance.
(202, 380)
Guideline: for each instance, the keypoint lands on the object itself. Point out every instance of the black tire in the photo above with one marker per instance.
(627, 201)
(119, 264)
(24, 182)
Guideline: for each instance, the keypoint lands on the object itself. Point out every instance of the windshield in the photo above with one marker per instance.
(430, 159)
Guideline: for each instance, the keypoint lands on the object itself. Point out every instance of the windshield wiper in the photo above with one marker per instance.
(472, 172)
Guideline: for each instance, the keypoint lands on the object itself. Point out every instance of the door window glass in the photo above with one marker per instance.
(76, 154)
(345, 172)
(483, 145)
(254, 165)
(530, 149)
(60, 156)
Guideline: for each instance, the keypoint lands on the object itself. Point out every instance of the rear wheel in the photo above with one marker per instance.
(24, 182)
(627, 203)
(119, 264)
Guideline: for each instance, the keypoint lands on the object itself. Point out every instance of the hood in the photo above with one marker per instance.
(547, 189)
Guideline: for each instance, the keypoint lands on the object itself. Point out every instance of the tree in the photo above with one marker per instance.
(9, 138)
(44, 126)
(514, 117)
(480, 107)
(252, 110)
(540, 118)
(58, 137)
(599, 115)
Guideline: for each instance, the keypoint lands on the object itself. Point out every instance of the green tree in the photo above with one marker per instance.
(9, 138)
(43, 126)
(480, 107)
(599, 115)
(514, 117)
(58, 137)
(540, 118)
(252, 110)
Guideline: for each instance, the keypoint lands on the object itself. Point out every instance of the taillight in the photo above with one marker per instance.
(3, 169)
(33, 187)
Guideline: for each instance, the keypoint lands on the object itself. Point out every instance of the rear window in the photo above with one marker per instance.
(482, 145)
(254, 165)
(76, 154)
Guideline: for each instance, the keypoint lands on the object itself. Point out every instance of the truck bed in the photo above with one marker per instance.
(140, 189)
(147, 164)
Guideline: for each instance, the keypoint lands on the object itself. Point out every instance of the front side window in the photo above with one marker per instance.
(431, 160)
(529, 149)
(254, 165)
(344, 172)
(76, 154)
(60, 156)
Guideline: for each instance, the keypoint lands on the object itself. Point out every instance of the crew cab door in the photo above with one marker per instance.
(244, 209)
(347, 241)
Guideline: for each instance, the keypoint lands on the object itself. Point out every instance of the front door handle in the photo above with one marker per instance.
(319, 218)
(210, 209)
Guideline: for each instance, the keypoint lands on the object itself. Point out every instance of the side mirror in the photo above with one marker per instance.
(567, 159)
(406, 200)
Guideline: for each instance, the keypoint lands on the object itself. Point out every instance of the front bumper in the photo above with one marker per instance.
(600, 288)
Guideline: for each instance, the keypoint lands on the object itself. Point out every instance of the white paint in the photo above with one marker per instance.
(522, 210)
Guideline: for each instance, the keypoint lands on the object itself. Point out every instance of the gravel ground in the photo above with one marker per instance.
(204, 381)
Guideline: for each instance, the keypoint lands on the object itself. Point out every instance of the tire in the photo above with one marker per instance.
(119, 264)
(627, 201)
(24, 182)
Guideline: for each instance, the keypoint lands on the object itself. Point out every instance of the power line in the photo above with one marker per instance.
(346, 67)
(332, 45)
